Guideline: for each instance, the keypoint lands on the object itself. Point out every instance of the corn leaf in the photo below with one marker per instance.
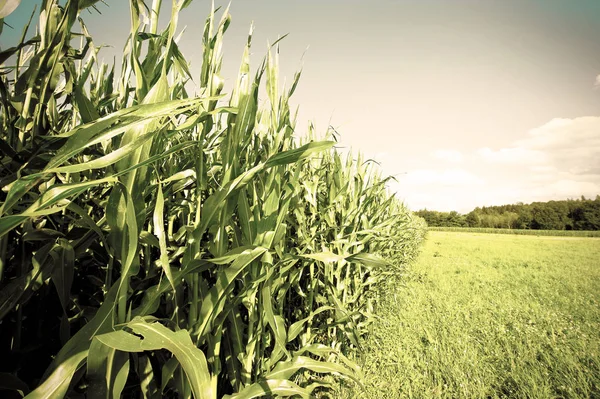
(146, 336)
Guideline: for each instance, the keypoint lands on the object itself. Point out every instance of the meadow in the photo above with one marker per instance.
(490, 316)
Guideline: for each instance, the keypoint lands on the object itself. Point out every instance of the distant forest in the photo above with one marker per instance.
(579, 214)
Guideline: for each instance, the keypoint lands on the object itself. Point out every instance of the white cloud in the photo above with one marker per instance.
(446, 177)
(597, 82)
(453, 156)
(558, 160)
(566, 145)
(543, 169)
(512, 155)
(560, 133)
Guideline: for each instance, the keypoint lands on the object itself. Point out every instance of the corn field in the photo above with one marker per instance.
(156, 242)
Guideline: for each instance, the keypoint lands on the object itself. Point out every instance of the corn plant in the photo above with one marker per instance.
(162, 243)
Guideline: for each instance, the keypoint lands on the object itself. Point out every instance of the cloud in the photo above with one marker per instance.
(563, 145)
(570, 145)
(512, 155)
(445, 177)
(557, 160)
(448, 155)
(561, 133)
(597, 82)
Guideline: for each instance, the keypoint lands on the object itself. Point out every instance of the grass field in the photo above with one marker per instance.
(527, 232)
(490, 316)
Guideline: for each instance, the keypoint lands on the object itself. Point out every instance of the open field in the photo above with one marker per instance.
(527, 232)
(167, 231)
(490, 316)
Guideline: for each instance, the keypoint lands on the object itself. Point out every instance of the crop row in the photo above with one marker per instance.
(169, 244)
(529, 232)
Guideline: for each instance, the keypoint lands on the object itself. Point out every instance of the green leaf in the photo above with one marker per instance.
(115, 124)
(146, 336)
(62, 278)
(6, 54)
(269, 388)
(276, 322)
(74, 353)
(216, 201)
(325, 257)
(299, 153)
(213, 302)
(297, 328)
(86, 108)
(153, 294)
(159, 232)
(87, 3)
(120, 215)
(147, 379)
(285, 370)
(7, 7)
(7, 223)
(107, 371)
(45, 202)
(370, 260)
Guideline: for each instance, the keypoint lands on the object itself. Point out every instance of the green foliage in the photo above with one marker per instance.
(583, 214)
(166, 244)
(447, 219)
(7, 7)
(551, 216)
(522, 232)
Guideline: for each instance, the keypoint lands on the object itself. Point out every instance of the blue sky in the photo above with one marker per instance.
(468, 102)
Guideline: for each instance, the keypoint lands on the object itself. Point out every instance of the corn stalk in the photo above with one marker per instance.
(188, 245)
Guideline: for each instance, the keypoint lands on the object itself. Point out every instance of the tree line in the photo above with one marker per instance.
(570, 214)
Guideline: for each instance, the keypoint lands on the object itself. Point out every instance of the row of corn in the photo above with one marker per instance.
(156, 243)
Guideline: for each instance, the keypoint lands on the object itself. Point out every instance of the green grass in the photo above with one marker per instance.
(490, 316)
(527, 232)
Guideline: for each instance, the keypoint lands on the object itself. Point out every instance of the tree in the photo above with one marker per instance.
(586, 216)
(549, 217)
(472, 219)
(524, 218)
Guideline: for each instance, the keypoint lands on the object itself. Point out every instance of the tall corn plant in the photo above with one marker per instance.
(345, 216)
(159, 243)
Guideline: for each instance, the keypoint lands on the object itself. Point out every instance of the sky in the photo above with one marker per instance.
(466, 102)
